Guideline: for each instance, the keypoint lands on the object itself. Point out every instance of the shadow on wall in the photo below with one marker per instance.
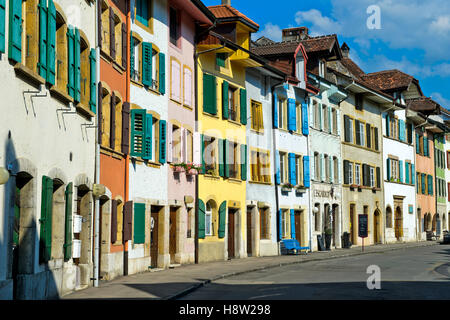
(19, 241)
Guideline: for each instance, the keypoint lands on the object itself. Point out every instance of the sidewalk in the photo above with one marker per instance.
(174, 283)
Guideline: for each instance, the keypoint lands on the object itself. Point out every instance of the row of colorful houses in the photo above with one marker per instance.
(147, 134)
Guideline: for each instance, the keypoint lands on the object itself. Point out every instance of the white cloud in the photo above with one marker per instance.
(322, 25)
(441, 100)
(271, 31)
(441, 25)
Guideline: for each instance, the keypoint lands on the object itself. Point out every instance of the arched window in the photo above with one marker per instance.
(388, 217)
(208, 219)
(317, 217)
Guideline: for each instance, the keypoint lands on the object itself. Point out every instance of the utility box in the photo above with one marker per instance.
(76, 248)
(77, 223)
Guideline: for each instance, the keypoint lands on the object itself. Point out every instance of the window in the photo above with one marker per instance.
(232, 103)
(175, 80)
(61, 53)
(155, 64)
(372, 177)
(348, 126)
(221, 59)
(187, 97)
(264, 223)
(189, 221)
(116, 47)
(298, 115)
(336, 169)
(316, 166)
(260, 166)
(285, 219)
(174, 26)
(359, 101)
(233, 159)
(299, 170)
(257, 116)
(176, 144)
(322, 68)
(327, 167)
(210, 154)
(282, 113)
(394, 173)
(335, 121)
(105, 27)
(284, 174)
(316, 108)
(357, 174)
(317, 218)
(106, 116)
(360, 137)
(350, 173)
(388, 217)
(136, 62)
(189, 146)
(325, 118)
(85, 73)
(148, 65)
(143, 12)
(208, 220)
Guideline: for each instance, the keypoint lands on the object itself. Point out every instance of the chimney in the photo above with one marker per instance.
(228, 2)
(295, 34)
(345, 50)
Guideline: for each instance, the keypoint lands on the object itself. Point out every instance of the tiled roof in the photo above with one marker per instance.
(352, 67)
(227, 11)
(422, 104)
(275, 48)
(389, 79)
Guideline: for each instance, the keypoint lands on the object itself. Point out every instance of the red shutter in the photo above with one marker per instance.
(113, 221)
(100, 113)
(112, 34)
(127, 220)
(112, 136)
(124, 46)
(126, 127)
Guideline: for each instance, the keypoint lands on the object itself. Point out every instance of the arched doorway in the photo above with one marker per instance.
(388, 217)
(377, 227)
(398, 223)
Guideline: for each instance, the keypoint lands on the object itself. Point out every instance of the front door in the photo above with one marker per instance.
(398, 223)
(249, 232)
(298, 236)
(231, 215)
(173, 234)
(376, 227)
(154, 237)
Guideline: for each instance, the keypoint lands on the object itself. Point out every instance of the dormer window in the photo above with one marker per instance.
(322, 68)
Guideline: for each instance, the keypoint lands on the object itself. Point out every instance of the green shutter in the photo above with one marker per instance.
(148, 137)
(42, 65)
(243, 162)
(243, 107)
(138, 125)
(77, 65)
(147, 55)
(220, 59)
(2, 25)
(51, 42)
(15, 31)
(93, 84)
(201, 219)
(68, 223)
(162, 141)
(45, 244)
(225, 106)
(162, 73)
(209, 94)
(139, 223)
(222, 219)
(71, 61)
(221, 158)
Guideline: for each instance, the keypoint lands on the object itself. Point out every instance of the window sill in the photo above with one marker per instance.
(136, 83)
(83, 110)
(28, 75)
(235, 180)
(188, 107)
(360, 147)
(235, 122)
(260, 182)
(110, 152)
(256, 131)
(118, 67)
(397, 140)
(211, 176)
(398, 182)
(175, 101)
(149, 163)
(61, 95)
(148, 28)
(105, 56)
(211, 115)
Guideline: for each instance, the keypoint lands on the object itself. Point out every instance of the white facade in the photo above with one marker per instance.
(447, 180)
(43, 136)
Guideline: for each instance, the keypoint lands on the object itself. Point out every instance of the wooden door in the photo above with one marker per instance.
(230, 234)
(249, 233)
(173, 234)
(376, 226)
(154, 237)
(352, 224)
(298, 236)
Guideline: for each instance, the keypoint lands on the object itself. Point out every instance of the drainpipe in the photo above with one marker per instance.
(97, 160)
(310, 189)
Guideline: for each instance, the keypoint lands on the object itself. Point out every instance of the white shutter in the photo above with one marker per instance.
(338, 121)
(322, 167)
(312, 162)
(183, 145)
(169, 142)
(176, 81)
(187, 87)
(197, 149)
(339, 170)
(331, 165)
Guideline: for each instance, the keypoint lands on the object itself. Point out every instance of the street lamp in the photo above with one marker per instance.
(4, 176)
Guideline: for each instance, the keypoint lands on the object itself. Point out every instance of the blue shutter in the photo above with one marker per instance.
(387, 125)
(413, 174)
(2, 25)
(388, 169)
(425, 146)
(93, 84)
(306, 174)
(320, 116)
(400, 167)
(280, 224)
(417, 144)
(402, 130)
(292, 224)
(51, 42)
(423, 182)
(162, 73)
(71, 61)
(292, 169)
(148, 137)
(77, 65)
(292, 117)
(407, 167)
(277, 166)
(305, 125)
(275, 110)
(15, 31)
(42, 65)
(162, 141)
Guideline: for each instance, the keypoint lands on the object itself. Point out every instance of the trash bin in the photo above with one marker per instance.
(346, 244)
(320, 243)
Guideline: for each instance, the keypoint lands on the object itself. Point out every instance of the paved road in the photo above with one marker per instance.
(413, 273)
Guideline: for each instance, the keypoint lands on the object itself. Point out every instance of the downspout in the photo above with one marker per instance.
(97, 159)
(310, 185)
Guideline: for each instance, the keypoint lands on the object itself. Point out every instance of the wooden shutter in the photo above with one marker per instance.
(93, 78)
(162, 141)
(51, 42)
(42, 65)
(417, 143)
(201, 219)
(147, 55)
(275, 110)
(357, 132)
(347, 128)
(225, 102)
(369, 135)
(71, 61)
(138, 122)
(162, 73)
(366, 175)
(112, 34)
(125, 128)
(388, 169)
(100, 113)
(306, 172)
(131, 55)
(139, 223)
(209, 94)
(430, 185)
(147, 137)
(375, 138)
(127, 221)
(15, 31)
(222, 219)
(99, 21)
(425, 146)
(46, 219)
(243, 106)
(113, 221)
(112, 134)
(68, 222)
(2, 25)
(226, 155)
(77, 66)
(346, 172)
(387, 125)
(124, 46)
(243, 162)
(292, 116)
(292, 169)
(378, 177)
(305, 126)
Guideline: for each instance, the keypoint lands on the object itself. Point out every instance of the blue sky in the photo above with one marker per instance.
(414, 36)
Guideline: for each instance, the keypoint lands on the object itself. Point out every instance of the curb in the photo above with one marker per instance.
(282, 264)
